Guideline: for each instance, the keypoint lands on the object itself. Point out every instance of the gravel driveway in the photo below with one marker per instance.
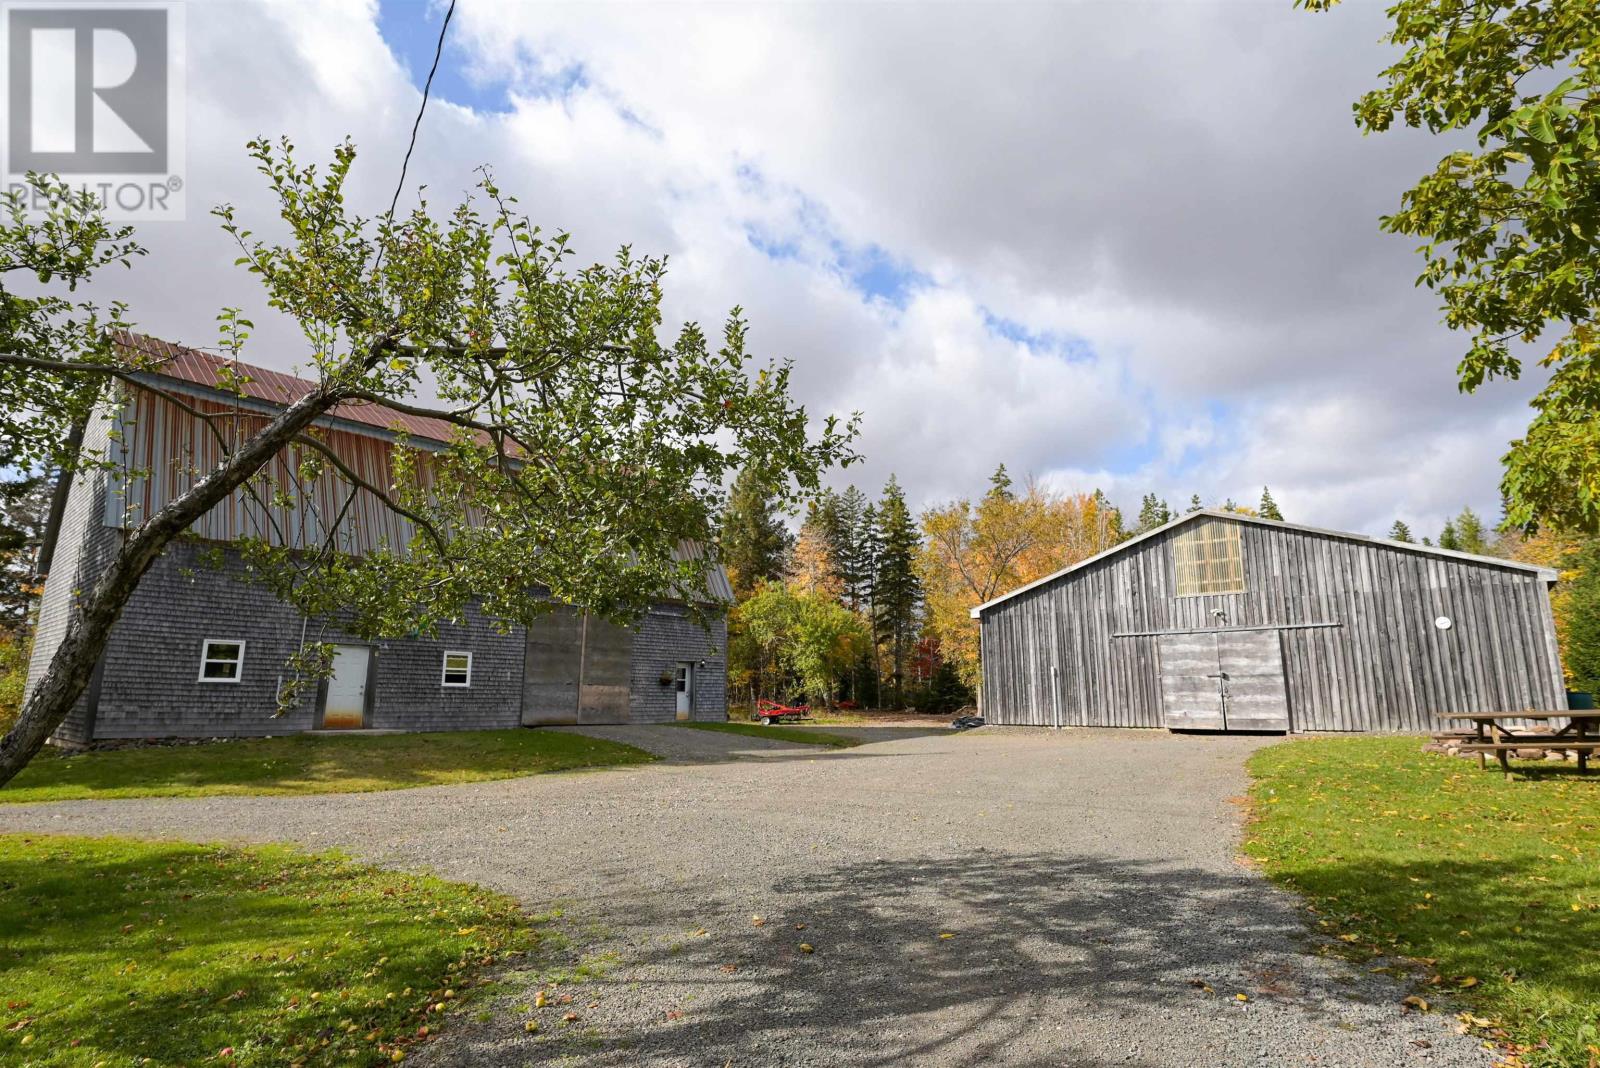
(1007, 897)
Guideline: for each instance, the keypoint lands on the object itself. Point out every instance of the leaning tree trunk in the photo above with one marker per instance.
(89, 626)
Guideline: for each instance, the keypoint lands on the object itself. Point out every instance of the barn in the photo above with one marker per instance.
(201, 650)
(1225, 622)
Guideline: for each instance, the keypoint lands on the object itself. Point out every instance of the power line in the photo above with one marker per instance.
(438, 50)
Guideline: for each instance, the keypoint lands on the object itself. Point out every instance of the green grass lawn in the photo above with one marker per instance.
(808, 735)
(312, 765)
(112, 951)
(1490, 888)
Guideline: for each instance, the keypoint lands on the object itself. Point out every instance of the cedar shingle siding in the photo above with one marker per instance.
(1341, 625)
(148, 682)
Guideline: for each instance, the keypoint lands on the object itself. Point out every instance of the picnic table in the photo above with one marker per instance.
(1492, 733)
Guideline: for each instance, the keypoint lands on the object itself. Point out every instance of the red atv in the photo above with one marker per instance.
(770, 712)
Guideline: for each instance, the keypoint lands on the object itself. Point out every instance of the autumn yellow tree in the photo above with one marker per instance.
(1563, 551)
(811, 565)
(972, 553)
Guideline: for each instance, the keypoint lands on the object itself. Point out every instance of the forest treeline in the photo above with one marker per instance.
(869, 603)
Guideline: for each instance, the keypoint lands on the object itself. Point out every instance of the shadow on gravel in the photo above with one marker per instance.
(887, 734)
(1035, 942)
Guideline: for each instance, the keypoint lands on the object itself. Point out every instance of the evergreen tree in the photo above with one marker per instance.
(1153, 513)
(1000, 484)
(1109, 515)
(1448, 538)
(755, 543)
(1471, 533)
(1400, 532)
(1195, 504)
(1269, 507)
(850, 547)
(24, 508)
(813, 569)
(897, 593)
(871, 553)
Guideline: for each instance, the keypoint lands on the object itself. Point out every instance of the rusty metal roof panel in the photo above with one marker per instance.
(182, 365)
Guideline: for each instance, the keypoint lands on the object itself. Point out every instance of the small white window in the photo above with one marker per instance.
(457, 669)
(221, 660)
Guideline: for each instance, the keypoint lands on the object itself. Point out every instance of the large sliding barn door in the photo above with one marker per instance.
(1223, 680)
(1253, 694)
(1191, 691)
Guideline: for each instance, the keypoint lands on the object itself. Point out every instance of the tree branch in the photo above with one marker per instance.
(388, 502)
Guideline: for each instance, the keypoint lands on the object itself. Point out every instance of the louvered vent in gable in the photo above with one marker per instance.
(1208, 558)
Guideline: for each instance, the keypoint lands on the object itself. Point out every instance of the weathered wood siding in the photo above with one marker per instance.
(1360, 648)
(161, 451)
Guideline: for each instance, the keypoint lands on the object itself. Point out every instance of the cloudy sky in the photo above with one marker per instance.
(1121, 245)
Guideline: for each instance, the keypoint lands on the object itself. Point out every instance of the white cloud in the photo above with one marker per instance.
(1145, 248)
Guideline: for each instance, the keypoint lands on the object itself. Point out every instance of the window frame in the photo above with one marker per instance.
(445, 671)
(206, 658)
(1202, 567)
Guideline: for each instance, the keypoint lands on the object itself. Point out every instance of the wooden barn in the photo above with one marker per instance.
(1218, 621)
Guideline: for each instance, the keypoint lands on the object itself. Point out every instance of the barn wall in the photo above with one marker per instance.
(150, 686)
(161, 451)
(146, 684)
(84, 547)
(1356, 618)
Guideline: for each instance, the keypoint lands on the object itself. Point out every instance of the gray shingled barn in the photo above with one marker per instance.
(1218, 621)
(200, 651)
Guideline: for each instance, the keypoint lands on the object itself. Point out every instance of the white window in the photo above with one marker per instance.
(1208, 558)
(221, 660)
(457, 669)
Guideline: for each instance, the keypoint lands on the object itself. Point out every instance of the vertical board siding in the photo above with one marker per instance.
(161, 451)
(1381, 665)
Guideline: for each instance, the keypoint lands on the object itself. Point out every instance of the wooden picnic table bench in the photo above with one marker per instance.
(1492, 734)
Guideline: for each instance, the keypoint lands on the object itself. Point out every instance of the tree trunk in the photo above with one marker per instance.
(89, 626)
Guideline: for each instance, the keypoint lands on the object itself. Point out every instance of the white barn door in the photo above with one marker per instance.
(345, 706)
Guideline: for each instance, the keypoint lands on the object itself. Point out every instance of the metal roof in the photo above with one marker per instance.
(184, 366)
(1548, 574)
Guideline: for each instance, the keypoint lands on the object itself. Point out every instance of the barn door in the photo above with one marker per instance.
(1191, 686)
(1253, 694)
(1223, 681)
(553, 668)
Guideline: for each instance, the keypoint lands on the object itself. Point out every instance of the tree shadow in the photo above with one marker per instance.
(1038, 959)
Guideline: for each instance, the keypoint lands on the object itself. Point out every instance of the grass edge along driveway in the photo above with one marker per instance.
(1487, 891)
(114, 950)
(803, 735)
(307, 764)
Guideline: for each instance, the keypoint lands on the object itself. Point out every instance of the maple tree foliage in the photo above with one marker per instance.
(1509, 219)
(974, 552)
